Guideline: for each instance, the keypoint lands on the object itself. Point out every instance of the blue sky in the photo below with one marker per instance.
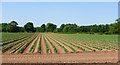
(81, 13)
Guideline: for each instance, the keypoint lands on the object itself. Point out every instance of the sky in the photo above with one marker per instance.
(80, 13)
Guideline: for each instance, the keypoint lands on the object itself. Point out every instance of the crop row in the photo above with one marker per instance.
(60, 45)
(79, 45)
(33, 44)
(98, 41)
(13, 44)
(17, 41)
(67, 46)
(10, 36)
(39, 47)
(47, 48)
(83, 46)
(52, 45)
(24, 46)
(4, 43)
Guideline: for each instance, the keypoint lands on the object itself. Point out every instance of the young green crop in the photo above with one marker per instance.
(60, 45)
(85, 47)
(18, 51)
(33, 44)
(52, 45)
(99, 42)
(12, 45)
(13, 38)
(16, 47)
(38, 49)
(67, 46)
(47, 48)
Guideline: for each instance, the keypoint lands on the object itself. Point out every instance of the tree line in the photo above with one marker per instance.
(64, 28)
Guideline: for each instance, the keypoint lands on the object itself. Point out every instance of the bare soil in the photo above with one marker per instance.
(69, 50)
(59, 49)
(51, 50)
(43, 47)
(7, 51)
(29, 46)
(89, 47)
(77, 49)
(83, 57)
(36, 45)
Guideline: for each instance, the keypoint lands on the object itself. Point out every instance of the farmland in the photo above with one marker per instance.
(58, 45)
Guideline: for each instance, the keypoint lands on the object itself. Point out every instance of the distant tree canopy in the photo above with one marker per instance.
(12, 27)
(50, 27)
(64, 28)
(42, 29)
(29, 27)
(4, 26)
(61, 27)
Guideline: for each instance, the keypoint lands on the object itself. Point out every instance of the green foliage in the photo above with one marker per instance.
(56, 30)
(61, 27)
(29, 27)
(100, 33)
(70, 28)
(4, 26)
(114, 28)
(12, 28)
(42, 29)
(38, 29)
(64, 28)
(50, 27)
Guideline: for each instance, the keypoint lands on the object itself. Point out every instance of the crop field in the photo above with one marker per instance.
(46, 43)
(57, 45)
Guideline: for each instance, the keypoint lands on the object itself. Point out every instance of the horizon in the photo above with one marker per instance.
(80, 13)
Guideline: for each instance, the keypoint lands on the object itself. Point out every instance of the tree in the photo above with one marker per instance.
(29, 27)
(65, 29)
(21, 29)
(4, 26)
(50, 27)
(12, 28)
(57, 30)
(72, 28)
(42, 29)
(38, 29)
(61, 27)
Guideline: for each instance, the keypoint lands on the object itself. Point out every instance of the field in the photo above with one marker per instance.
(59, 48)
